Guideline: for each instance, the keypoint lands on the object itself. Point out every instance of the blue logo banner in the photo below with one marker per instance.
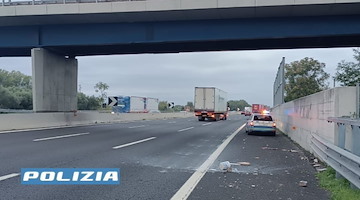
(70, 176)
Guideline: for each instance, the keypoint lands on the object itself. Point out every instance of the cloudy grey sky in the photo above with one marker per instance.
(247, 75)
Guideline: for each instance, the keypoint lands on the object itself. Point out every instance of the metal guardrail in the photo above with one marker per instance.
(345, 162)
(345, 121)
(44, 2)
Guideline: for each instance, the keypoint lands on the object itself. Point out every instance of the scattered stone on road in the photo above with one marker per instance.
(303, 183)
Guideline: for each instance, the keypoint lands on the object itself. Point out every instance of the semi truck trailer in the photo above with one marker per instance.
(130, 104)
(248, 111)
(210, 103)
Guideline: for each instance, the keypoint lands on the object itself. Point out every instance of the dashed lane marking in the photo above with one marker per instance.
(132, 143)
(60, 136)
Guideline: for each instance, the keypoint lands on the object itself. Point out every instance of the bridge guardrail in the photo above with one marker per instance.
(44, 2)
(346, 162)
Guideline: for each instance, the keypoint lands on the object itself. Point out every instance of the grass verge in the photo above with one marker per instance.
(339, 188)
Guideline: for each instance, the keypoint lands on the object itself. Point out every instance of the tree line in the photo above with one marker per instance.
(15, 90)
(308, 76)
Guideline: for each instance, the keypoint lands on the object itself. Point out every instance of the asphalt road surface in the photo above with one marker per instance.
(161, 159)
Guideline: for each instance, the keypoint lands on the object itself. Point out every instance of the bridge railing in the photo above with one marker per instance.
(343, 156)
(42, 2)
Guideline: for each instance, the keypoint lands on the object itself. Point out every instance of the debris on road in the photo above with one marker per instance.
(269, 148)
(321, 169)
(303, 183)
(304, 158)
(244, 163)
(225, 166)
(253, 186)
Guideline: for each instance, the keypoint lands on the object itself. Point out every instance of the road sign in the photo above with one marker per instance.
(113, 101)
(171, 105)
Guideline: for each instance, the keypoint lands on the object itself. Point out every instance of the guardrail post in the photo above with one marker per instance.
(355, 140)
(341, 135)
(355, 147)
(340, 141)
(357, 112)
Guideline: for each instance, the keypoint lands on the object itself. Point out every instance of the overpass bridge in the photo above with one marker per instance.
(55, 32)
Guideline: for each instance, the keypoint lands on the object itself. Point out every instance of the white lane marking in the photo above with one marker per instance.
(132, 143)
(207, 124)
(185, 129)
(171, 122)
(137, 126)
(60, 136)
(8, 176)
(185, 191)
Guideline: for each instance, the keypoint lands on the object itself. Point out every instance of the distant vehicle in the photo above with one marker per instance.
(247, 111)
(151, 105)
(260, 108)
(129, 104)
(134, 104)
(261, 123)
(210, 103)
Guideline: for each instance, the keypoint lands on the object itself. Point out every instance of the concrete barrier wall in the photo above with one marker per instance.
(41, 120)
(301, 117)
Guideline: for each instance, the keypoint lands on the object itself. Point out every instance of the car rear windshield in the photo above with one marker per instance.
(262, 118)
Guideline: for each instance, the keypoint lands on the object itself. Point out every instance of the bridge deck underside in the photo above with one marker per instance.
(183, 36)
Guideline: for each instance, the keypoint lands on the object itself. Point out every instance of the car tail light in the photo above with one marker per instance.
(251, 123)
(274, 124)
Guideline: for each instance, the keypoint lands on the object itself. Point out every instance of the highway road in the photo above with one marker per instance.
(160, 159)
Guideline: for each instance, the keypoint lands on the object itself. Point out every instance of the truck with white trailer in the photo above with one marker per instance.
(152, 104)
(135, 104)
(248, 111)
(130, 104)
(210, 103)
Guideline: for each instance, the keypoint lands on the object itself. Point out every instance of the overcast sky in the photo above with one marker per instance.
(247, 75)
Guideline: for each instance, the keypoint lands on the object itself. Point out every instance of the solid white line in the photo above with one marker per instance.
(171, 122)
(137, 126)
(132, 143)
(60, 136)
(185, 129)
(207, 124)
(8, 176)
(185, 191)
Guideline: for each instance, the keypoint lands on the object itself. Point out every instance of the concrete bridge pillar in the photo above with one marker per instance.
(54, 81)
